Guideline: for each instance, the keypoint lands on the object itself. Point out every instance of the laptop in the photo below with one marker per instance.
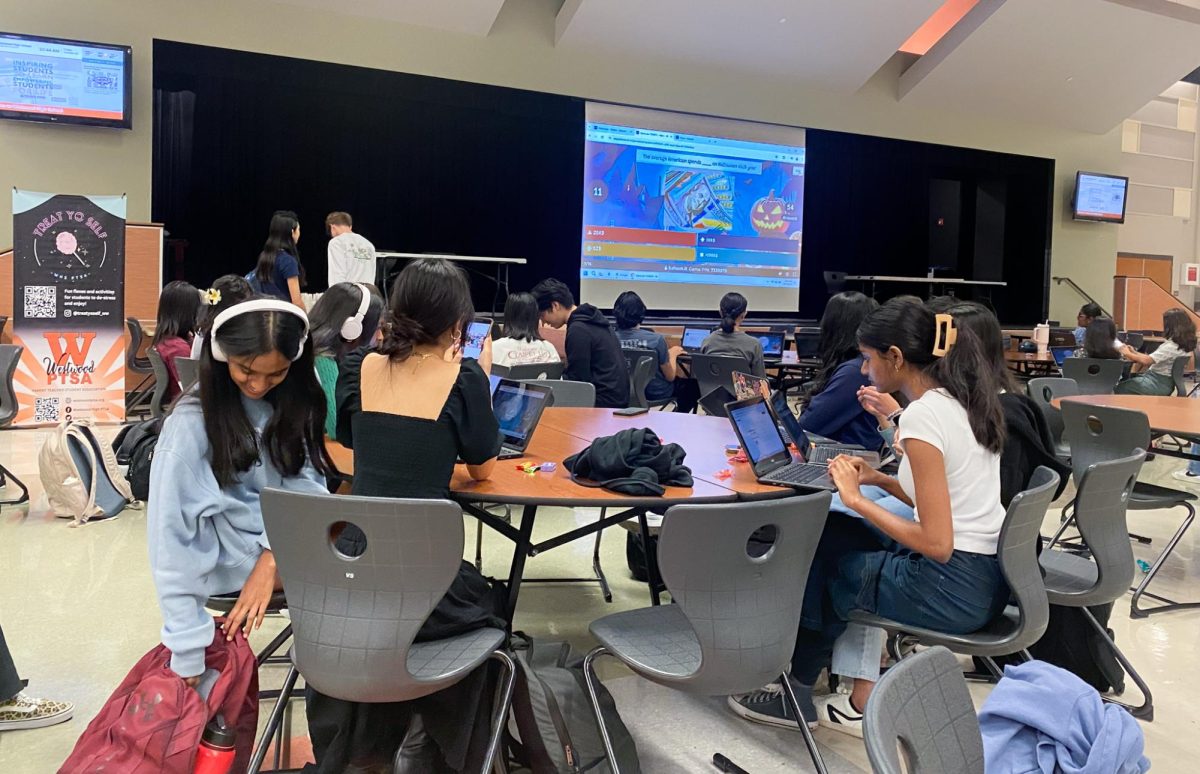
(814, 448)
(1061, 354)
(518, 407)
(693, 338)
(1062, 337)
(755, 425)
(808, 343)
(772, 344)
(748, 385)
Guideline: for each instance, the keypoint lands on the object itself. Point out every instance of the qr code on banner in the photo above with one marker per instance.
(45, 410)
(41, 301)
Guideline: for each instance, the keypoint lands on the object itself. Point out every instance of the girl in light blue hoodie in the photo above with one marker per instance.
(255, 419)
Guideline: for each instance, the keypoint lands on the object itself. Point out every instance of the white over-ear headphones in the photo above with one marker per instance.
(256, 305)
(353, 327)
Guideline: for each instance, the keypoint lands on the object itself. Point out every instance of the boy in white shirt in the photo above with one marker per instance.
(351, 256)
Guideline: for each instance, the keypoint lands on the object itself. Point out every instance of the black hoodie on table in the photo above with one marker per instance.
(594, 355)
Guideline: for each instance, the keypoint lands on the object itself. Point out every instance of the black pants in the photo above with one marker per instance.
(10, 684)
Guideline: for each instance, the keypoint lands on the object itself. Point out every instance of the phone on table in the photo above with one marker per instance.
(477, 332)
(632, 411)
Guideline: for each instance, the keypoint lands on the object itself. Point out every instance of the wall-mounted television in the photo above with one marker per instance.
(1100, 197)
(65, 81)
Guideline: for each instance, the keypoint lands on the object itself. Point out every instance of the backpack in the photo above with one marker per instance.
(553, 716)
(153, 722)
(80, 474)
(132, 434)
(134, 446)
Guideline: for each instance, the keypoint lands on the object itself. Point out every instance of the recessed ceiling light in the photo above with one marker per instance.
(781, 21)
(1070, 78)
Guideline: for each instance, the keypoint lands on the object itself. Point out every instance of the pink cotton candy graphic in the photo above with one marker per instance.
(66, 243)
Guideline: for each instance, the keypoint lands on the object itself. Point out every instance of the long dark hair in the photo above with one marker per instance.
(330, 312)
(234, 289)
(430, 297)
(839, 334)
(521, 317)
(1099, 339)
(1179, 328)
(733, 306)
(178, 306)
(279, 240)
(296, 430)
(983, 321)
(964, 372)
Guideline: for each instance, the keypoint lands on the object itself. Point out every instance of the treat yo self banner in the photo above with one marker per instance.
(69, 307)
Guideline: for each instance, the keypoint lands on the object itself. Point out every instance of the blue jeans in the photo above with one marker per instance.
(858, 569)
(1193, 466)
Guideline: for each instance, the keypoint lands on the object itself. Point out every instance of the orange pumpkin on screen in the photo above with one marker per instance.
(767, 215)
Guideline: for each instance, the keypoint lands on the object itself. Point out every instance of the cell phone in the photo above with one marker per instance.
(632, 411)
(477, 332)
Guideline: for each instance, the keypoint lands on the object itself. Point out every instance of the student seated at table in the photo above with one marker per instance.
(1088, 312)
(729, 340)
(667, 382)
(409, 410)
(1100, 341)
(226, 291)
(832, 408)
(939, 571)
(1155, 376)
(334, 317)
(593, 352)
(255, 421)
(522, 343)
(178, 306)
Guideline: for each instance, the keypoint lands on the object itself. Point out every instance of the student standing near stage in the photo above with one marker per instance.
(351, 255)
(593, 352)
(279, 273)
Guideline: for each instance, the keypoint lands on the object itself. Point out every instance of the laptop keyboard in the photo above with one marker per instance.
(798, 474)
(825, 454)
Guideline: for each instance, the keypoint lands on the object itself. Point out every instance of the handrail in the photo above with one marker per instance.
(1082, 292)
(1142, 302)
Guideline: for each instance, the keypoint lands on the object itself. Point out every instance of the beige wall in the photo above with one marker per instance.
(519, 52)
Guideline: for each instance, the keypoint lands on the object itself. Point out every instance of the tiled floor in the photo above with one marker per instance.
(78, 609)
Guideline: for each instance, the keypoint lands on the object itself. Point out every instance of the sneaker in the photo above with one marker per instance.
(1184, 475)
(769, 707)
(23, 711)
(835, 711)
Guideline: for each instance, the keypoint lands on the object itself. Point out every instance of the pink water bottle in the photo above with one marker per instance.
(216, 752)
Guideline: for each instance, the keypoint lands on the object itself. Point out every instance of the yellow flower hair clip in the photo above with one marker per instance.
(212, 296)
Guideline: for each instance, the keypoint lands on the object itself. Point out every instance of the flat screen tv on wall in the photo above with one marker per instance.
(65, 81)
(1100, 197)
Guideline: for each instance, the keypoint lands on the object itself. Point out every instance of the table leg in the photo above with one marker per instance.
(520, 552)
(651, 558)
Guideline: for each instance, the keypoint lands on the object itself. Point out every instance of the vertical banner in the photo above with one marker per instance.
(69, 307)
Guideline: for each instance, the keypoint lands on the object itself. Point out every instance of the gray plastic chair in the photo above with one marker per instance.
(162, 378)
(1177, 369)
(920, 719)
(1093, 375)
(10, 358)
(1044, 390)
(641, 365)
(736, 617)
(714, 373)
(1104, 492)
(1022, 624)
(567, 394)
(137, 364)
(1102, 433)
(526, 371)
(354, 618)
(189, 371)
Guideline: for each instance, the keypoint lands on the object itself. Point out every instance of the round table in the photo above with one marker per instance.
(1167, 415)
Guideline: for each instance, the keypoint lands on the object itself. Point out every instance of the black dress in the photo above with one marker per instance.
(399, 456)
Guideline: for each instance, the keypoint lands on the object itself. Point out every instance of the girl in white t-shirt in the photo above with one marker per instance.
(940, 570)
(522, 344)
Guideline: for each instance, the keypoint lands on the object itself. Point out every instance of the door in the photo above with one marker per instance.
(1159, 268)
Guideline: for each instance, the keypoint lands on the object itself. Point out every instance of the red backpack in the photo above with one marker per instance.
(153, 722)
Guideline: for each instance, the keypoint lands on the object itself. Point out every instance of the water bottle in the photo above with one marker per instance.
(1041, 336)
(216, 752)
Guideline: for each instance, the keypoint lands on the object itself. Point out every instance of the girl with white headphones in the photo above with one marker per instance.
(255, 421)
(345, 318)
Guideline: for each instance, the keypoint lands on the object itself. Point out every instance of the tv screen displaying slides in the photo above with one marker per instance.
(685, 208)
(64, 81)
(1100, 197)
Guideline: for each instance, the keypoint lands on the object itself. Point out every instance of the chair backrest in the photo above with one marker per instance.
(569, 394)
(529, 371)
(744, 610)
(713, 371)
(640, 364)
(835, 281)
(1177, 368)
(1046, 389)
(1102, 433)
(354, 618)
(10, 357)
(137, 364)
(1101, 501)
(189, 371)
(1017, 552)
(1094, 376)
(3, 323)
(920, 718)
(162, 378)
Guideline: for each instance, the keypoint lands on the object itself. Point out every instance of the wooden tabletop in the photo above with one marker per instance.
(1013, 356)
(1174, 415)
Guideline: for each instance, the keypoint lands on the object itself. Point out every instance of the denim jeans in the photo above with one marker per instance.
(858, 569)
(10, 683)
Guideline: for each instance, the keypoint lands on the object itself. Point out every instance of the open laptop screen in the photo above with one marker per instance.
(772, 343)
(756, 428)
(518, 407)
(790, 423)
(694, 337)
(1061, 354)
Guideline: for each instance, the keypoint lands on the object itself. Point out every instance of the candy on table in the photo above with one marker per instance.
(723, 474)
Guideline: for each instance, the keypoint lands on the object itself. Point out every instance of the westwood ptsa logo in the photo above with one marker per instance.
(69, 362)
